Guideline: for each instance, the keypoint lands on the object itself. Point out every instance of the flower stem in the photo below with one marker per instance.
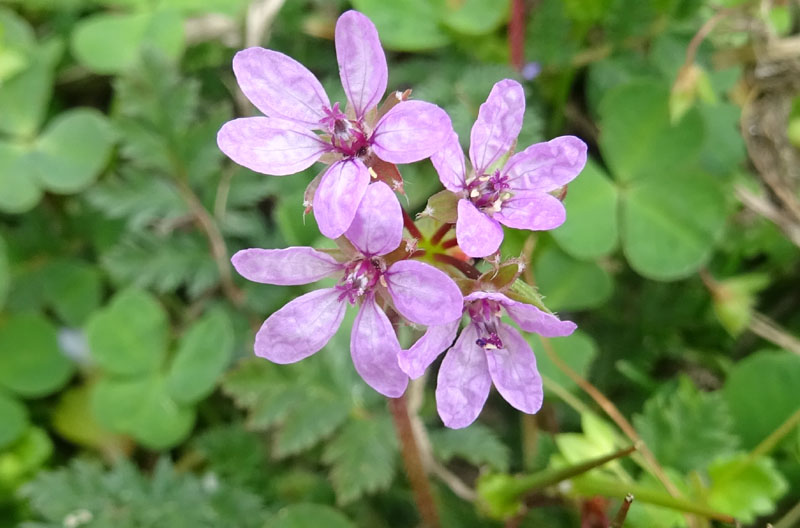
(440, 233)
(447, 244)
(412, 460)
(622, 514)
(460, 265)
(409, 224)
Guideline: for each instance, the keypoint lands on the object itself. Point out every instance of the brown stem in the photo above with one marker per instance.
(516, 34)
(412, 461)
(460, 265)
(447, 244)
(622, 514)
(440, 233)
(409, 224)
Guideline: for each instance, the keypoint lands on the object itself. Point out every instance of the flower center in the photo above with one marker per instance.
(488, 192)
(485, 315)
(360, 276)
(347, 137)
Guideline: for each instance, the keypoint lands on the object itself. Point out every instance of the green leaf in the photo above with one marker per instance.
(31, 363)
(306, 515)
(670, 222)
(73, 289)
(476, 444)
(203, 353)
(590, 230)
(475, 17)
(362, 457)
(129, 336)
(406, 25)
(24, 458)
(73, 420)
(14, 417)
(109, 43)
(637, 137)
(310, 420)
(686, 429)
(548, 36)
(569, 284)
(20, 190)
(758, 391)
(5, 275)
(577, 350)
(72, 150)
(724, 150)
(734, 299)
(745, 488)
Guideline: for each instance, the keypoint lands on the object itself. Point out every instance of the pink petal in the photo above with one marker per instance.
(269, 145)
(492, 296)
(377, 227)
(513, 370)
(374, 348)
(547, 166)
(340, 191)
(533, 211)
(449, 163)
(436, 339)
(532, 319)
(301, 327)
(498, 124)
(423, 294)
(477, 233)
(411, 131)
(284, 267)
(362, 63)
(280, 86)
(464, 382)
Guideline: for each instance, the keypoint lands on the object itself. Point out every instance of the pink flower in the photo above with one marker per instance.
(516, 194)
(297, 108)
(419, 292)
(487, 351)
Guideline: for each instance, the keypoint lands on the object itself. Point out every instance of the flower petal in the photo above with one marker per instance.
(449, 163)
(280, 86)
(284, 267)
(532, 319)
(477, 233)
(433, 342)
(547, 166)
(513, 370)
(362, 63)
(411, 131)
(377, 227)
(464, 381)
(498, 124)
(301, 327)
(269, 145)
(423, 294)
(337, 198)
(374, 348)
(533, 210)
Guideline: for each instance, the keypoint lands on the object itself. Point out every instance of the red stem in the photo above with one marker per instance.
(516, 34)
(409, 224)
(460, 265)
(440, 233)
(447, 244)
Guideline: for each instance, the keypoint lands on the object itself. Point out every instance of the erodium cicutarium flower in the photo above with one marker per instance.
(487, 351)
(516, 193)
(416, 291)
(301, 124)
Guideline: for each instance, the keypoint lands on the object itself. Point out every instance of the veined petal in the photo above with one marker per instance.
(433, 342)
(546, 166)
(301, 327)
(513, 370)
(449, 164)
(410, 131)
(337, 198)
(464, 381)
(377, 227)
(362, 63)
(532, 319)
(423, 294)
(269, 145)
(280, 86)
(374, 348)
(284, 267)
(498, 124)
(534, 211)
(477, 233)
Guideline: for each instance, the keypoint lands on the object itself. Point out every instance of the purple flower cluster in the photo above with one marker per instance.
(378, 270)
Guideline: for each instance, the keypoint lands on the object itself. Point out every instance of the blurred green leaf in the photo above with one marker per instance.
(475, 17)
(476, 444)
(569, 284)
(362, 457)
(203, 353)
(548, 38)
(129, 336)
(14, 417)
(577, 350)
(759, 393)
(406, 25)
(72, 288)
(73, 420)
(307, 515)
(20, 191)
(5, 275)
(590, 230)
(23, 459)
(110, 43)
(31, 363)
(724, 149)
(734, 299)
(745, 488)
